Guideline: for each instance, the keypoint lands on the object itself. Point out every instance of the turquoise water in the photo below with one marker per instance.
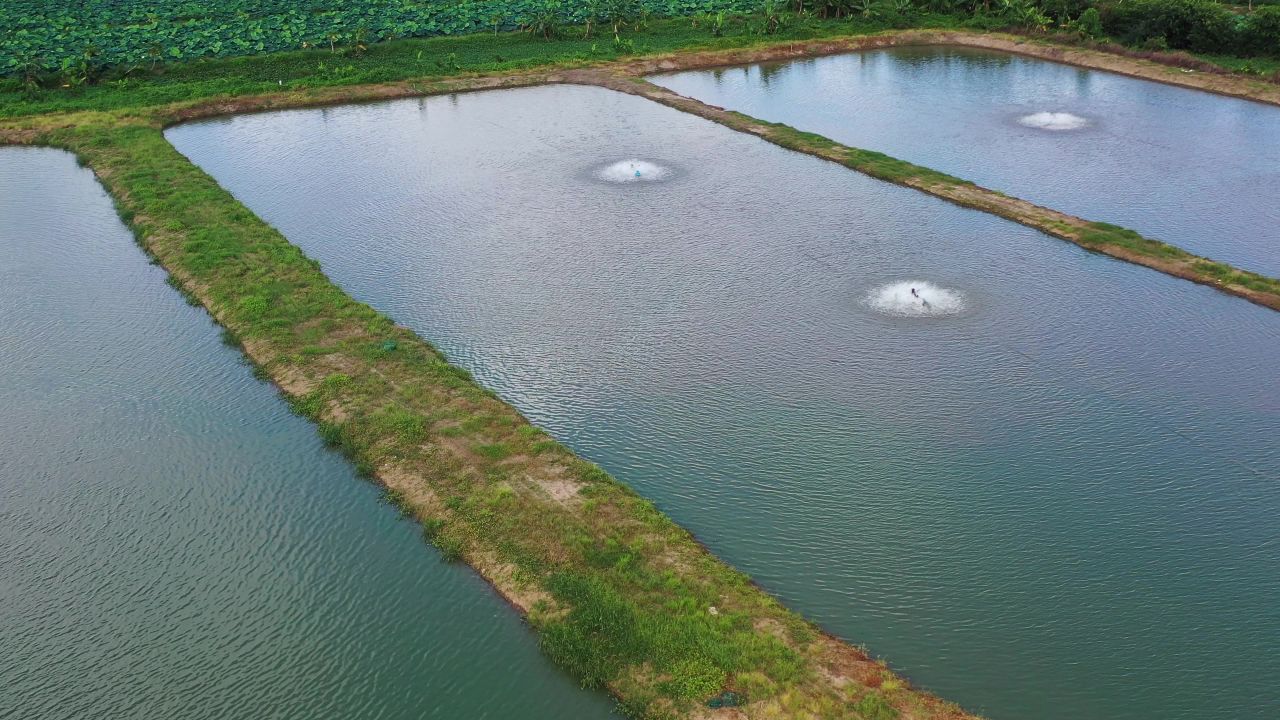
(174, 543)
(1058, 501)
(1190, 168)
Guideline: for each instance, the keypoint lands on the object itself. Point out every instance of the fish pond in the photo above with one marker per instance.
(175, 544)
(1043, 484)
(1193, 169)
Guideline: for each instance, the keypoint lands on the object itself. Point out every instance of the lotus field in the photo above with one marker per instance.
(60, 35)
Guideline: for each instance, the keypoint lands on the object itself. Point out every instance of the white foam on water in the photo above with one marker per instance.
(928, 301)
(1056, 121)
(631, 171)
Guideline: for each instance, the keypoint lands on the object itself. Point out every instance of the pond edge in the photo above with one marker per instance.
(332, 362)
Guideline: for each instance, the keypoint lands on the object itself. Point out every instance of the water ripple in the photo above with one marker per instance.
(1005, 501)
(175, 543)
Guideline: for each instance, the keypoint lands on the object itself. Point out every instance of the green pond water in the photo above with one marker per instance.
(1051, 493)
(175, 544)
(1197, 170)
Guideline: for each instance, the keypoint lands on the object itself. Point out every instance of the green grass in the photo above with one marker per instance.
(1100, 234)
(882, 166)
(418, 59)
(873, 163)
(873, 706)
(493, 451)
(1262, 67)
(1228, 275)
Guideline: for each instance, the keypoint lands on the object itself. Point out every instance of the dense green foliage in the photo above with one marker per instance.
(422, 59)
(1261, 34)
(1197, 25)
(73, 43)
(64, 34)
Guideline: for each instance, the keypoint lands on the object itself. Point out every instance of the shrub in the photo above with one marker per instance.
(545, 20)
(1089, 24)
(1198, 25)
(1063, 10)
(827, 8)
(773, 18)
(1260, 34)
(1155, 44)
(1024, 14)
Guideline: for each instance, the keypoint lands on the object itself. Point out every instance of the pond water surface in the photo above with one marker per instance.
(1197, 170)
(1051, 496)
(175, 544)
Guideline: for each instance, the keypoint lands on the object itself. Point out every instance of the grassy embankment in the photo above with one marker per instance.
(1105, 238)
(621, 596)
